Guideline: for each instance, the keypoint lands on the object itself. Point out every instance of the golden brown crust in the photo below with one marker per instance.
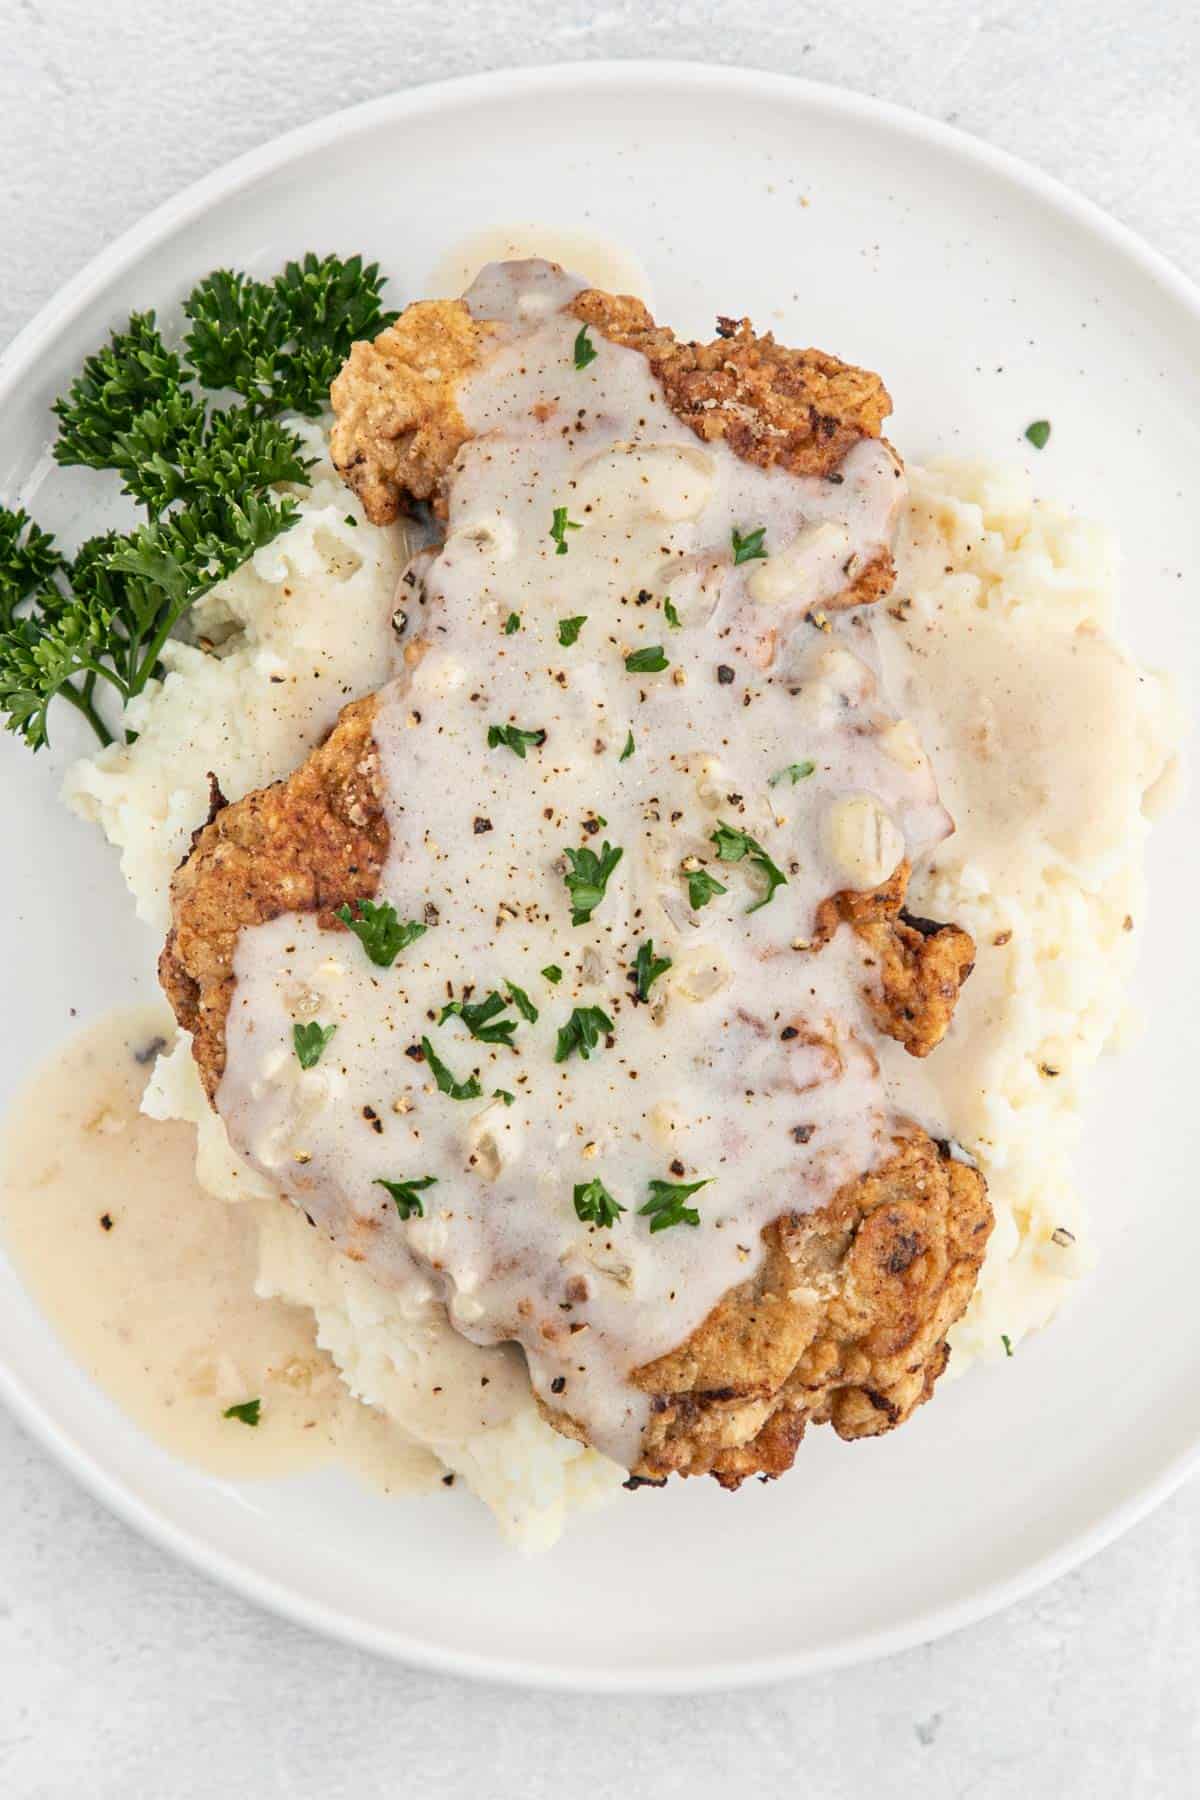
(798, 410)
(307, 844)
(844, 1323)
(921, 964)
(397, 427)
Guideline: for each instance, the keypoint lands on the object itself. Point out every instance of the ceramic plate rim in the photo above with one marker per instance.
(68, 303)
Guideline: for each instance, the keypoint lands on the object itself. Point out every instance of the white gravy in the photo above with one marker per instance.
(752, 1068)
(149, 1280)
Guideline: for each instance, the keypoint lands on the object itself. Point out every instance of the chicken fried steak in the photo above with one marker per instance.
(644, 828)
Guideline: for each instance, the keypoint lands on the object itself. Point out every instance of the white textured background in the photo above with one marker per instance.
(124, 1675)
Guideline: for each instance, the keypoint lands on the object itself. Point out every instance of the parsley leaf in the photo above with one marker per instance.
(569, 629)
(457, 1090)
(651, 661)
(379, 931)
(794, 772)
(646, 969)
(404, 1193)
(581, 1032)
(280, 343)
(512, 623)
(246, 1412)
(522, 1002)
(309, 1042)
(701, 887)
(628, 751)
(514, 738)
(558, 531)
(748, 548)
(588, 879)
(1006, 1340)
(594, 1205)
(585, 350)
(553, 973)
(479, 1017)
(732, 845)
(1038, 433)
(665, 1207)
(28, 561)
(503, 1094)
(672, 616)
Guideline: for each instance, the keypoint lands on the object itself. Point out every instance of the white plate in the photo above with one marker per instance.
(988, 297)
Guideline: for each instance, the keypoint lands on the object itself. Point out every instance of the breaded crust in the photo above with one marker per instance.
(921, 963)
(398, 427)
(844, 1323)
(307, 844)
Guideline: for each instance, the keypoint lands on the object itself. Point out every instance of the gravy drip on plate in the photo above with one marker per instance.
(149, 1280)
(751, 1067)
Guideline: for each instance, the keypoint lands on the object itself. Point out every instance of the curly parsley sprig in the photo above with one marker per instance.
(206, 475)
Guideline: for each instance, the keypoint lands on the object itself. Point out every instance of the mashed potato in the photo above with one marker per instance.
(394, 1348)
(995, 643)
(1053, 751)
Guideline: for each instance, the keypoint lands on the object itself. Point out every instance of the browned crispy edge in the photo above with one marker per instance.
(310, 843)
(844, 1323)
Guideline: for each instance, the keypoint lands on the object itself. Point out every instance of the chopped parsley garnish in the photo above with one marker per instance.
(647, 968)
(672, 615)
(206, 475)
(246, 1412)
(794, 772)
(581, 1032)
(310, 1041)
(379, 931)
(666, 1207)
(480, 1018)
(628, 751)
(588, 878)
(522, 1002)
(503, 1094)
(514, 738)
(558, 531)
(457, 1090)
(748, 548)
(1038, 433)
(1007, 1342)
(732, 845)
(404, 1193)
(701, 887)
(512, 623)
(569, 629)
(585, 350)
(553, 973)
(594, 1205)
(651, 661)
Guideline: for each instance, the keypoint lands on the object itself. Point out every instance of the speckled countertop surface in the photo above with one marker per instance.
(125, 1674)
